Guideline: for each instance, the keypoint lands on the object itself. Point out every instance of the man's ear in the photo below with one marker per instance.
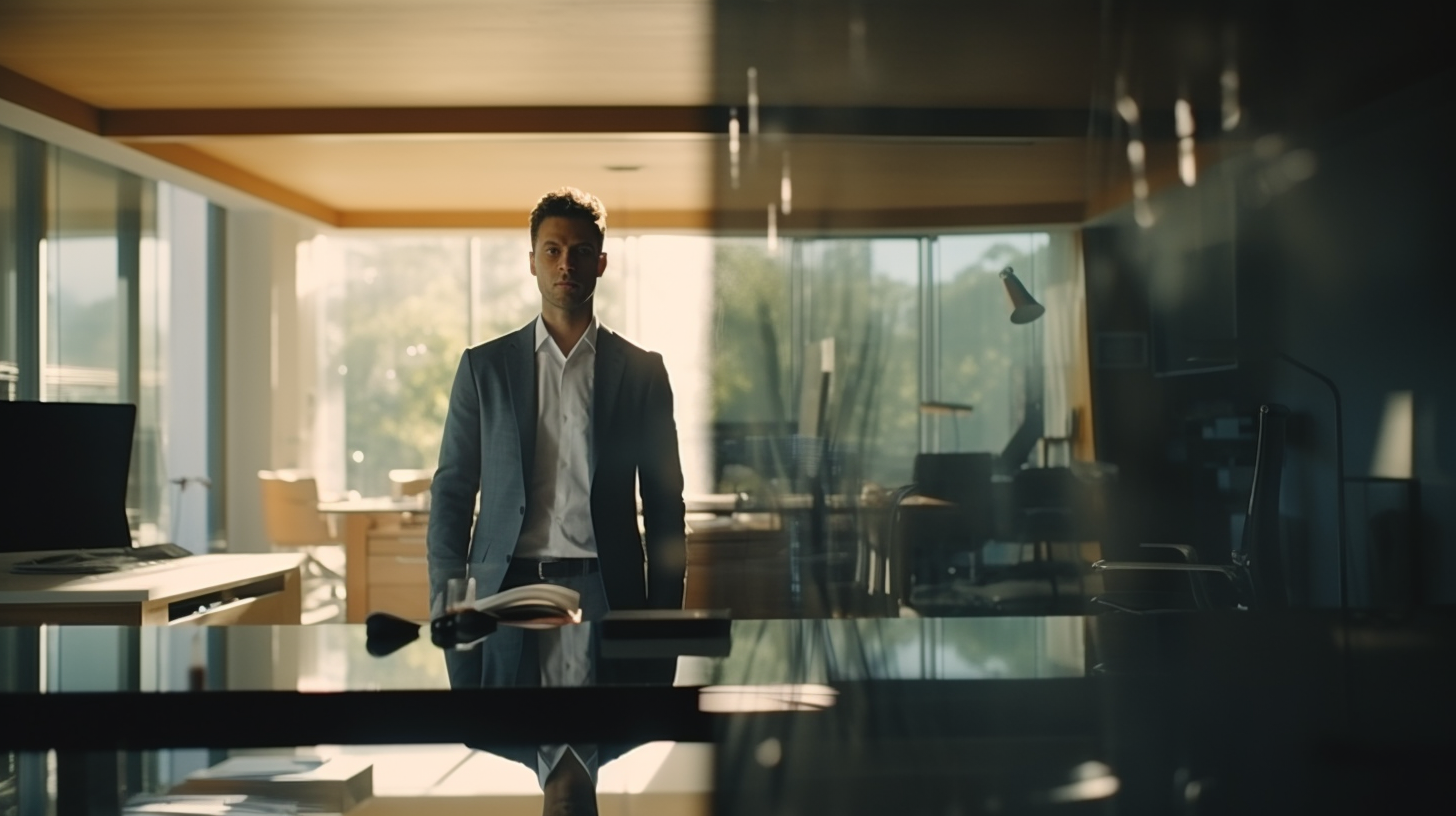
(601, 264)
(531, 262)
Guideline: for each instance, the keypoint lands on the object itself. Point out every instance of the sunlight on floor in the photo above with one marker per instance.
(426, 780)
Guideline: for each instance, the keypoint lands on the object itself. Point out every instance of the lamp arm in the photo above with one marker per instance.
(1339, 464)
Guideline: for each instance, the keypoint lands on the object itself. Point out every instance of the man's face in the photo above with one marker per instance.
(567, 260)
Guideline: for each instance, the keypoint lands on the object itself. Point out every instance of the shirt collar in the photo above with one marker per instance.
(590, 337)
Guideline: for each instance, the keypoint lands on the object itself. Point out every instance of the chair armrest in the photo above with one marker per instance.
(1161, 566)
(1119, 607)
(1189, 554)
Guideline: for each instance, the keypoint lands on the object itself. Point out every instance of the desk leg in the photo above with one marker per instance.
(89, 783)
(356, 565)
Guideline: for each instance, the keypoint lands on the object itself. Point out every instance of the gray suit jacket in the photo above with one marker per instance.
(488, 446)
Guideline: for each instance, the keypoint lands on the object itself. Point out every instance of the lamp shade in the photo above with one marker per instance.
(937, 407)
(1024, 307)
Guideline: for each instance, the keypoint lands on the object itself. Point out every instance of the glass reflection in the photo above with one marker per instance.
(798, 378)
(9, 261)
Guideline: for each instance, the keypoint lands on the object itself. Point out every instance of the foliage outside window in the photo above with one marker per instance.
(399, 310)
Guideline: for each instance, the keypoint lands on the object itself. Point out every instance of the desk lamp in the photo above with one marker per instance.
(1024, 307)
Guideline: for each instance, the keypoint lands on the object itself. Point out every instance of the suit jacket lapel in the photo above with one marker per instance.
(521, 380)
(610, 365)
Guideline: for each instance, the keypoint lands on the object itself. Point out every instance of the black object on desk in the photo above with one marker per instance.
(96, 562)
(64, 473)
(649, 633)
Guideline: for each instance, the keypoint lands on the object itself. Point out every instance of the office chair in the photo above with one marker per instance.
(291, 519)
(1255, 566)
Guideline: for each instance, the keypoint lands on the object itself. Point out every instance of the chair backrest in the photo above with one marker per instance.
(962, 478)
(290, 509)
(1260, 547)
(410, 481)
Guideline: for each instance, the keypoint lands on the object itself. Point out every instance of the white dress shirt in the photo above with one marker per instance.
(558, 522)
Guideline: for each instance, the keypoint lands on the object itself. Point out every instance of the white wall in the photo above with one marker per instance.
(262, 391)
(184, 225)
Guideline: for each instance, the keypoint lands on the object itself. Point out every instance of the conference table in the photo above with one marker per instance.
(1233, 712)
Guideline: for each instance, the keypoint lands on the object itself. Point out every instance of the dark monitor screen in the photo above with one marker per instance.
(63, 475)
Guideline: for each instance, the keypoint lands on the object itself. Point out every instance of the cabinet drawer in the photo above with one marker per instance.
(412, 544)
(409, 601)
(398, 569)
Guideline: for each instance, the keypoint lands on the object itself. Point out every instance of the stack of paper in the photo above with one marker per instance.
(226, 805)
(333, 785)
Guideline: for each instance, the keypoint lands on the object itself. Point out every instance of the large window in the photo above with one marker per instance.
(778, 317)
(86, 300)
(402, 323)
(389, 316)
(748, 335)
(978, 357)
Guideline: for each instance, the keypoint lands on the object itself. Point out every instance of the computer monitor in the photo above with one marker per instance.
(63, 475)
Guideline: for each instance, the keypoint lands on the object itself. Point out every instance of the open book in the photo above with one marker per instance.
(533, 606)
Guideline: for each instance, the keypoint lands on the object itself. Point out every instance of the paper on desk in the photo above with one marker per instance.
(224, 805)
(259, 767)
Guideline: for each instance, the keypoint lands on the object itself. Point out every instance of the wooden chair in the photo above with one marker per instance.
(292, 520)
(410, 481)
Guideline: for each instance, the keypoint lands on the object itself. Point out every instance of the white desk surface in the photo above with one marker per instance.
(180, 577)
(375, 504)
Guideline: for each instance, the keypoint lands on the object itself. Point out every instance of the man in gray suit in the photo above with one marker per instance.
(552, 427)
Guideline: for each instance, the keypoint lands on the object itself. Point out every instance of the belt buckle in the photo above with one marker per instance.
(541, 570)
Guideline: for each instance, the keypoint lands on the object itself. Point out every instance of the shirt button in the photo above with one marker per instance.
(523, 510)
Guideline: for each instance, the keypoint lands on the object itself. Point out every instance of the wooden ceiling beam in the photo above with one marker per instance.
(882, 122)
(203, 164)
(175, 124)
(803, 222)
(47, 101)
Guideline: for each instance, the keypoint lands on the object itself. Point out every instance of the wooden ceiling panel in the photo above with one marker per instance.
(462, 112)
(350, 177)
(338, 53)
(445, 173)
(897, 174)
(917, 53)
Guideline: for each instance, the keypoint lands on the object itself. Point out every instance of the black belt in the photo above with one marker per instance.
(553, 567)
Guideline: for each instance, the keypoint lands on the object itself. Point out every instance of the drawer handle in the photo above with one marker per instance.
(211, 609)
(411, 559)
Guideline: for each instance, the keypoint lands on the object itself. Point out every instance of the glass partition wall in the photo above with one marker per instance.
(86, 299)
(391, 314)
(801, 368)
(16, 267)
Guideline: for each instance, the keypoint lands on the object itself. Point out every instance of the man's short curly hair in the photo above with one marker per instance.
(569, 202)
